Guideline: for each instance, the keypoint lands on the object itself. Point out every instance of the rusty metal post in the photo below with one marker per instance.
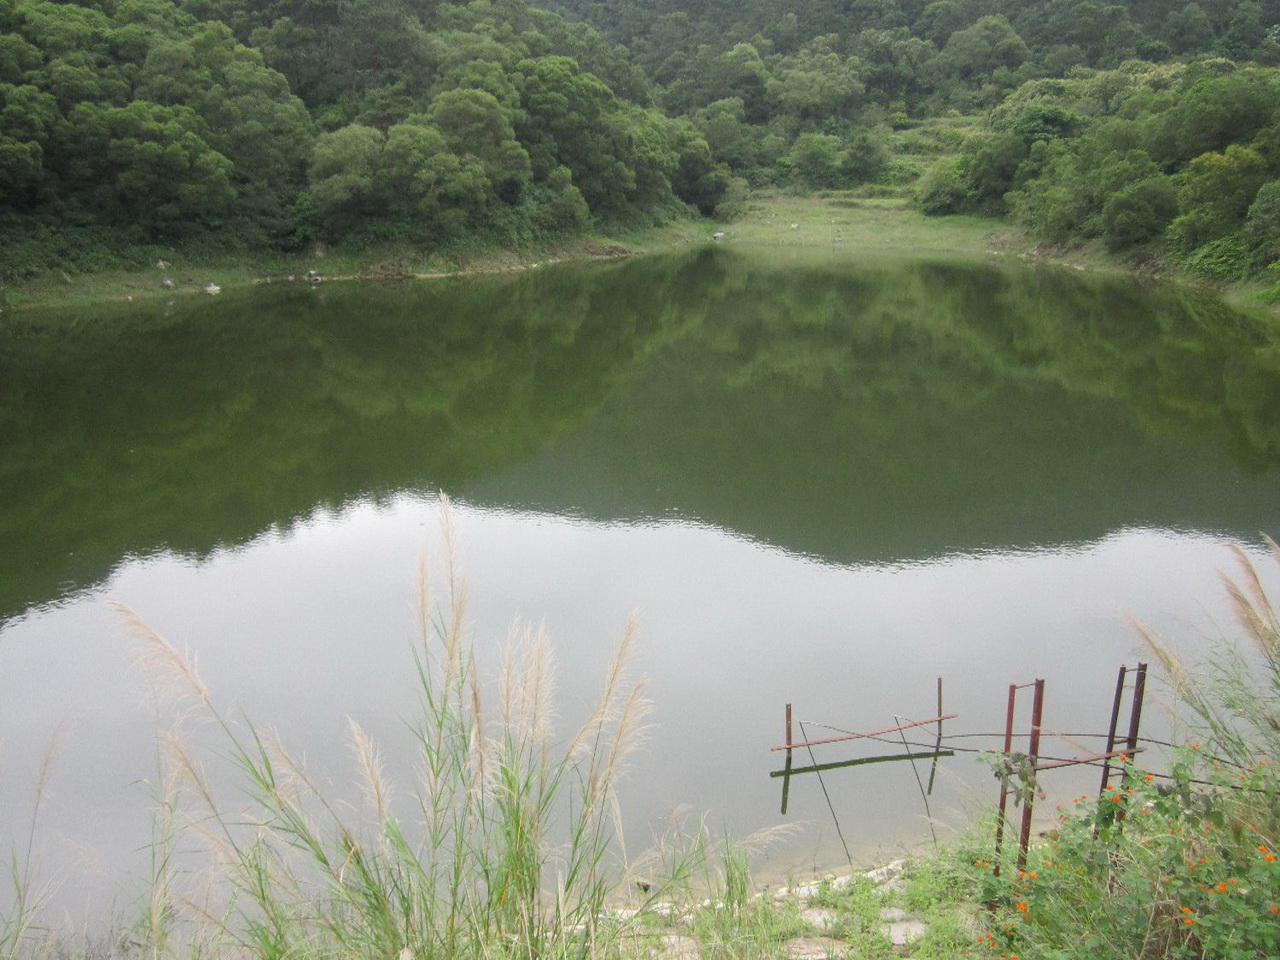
(1135, 720)
(1037, 712)
(786, 779)
(1135, 712)
(1111, 731)
(1004, 785)
(937, 743)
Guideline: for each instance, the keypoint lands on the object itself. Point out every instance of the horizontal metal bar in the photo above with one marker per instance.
(1092, 758)
(819, 767)
(863, 736)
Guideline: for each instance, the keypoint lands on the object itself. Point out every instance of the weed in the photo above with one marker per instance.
(1181, 864)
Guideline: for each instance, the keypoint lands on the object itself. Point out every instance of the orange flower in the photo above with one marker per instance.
(1022, 906)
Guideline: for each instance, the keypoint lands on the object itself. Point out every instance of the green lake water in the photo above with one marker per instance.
(817, 481)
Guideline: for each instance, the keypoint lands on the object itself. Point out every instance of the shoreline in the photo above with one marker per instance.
(850, 226)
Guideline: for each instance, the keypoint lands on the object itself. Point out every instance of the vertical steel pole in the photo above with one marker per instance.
(937, 744)
(1135, 719)
(786, 778)
(1004, 784)
(1135, 712)
(1037, 711)
(1111, 732)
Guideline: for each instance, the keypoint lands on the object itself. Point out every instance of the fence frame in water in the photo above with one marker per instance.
(1025, 768)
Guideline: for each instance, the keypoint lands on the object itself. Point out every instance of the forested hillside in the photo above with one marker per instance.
(131, 124)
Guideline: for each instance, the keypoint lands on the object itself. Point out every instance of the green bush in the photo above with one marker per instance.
(1222, 261)
(943, 189)
(1138, 213)
(1171, 863)
(1262, 227)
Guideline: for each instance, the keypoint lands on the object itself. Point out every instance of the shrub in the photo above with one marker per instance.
(1183, 864)
(943, 189)
(1138, 213)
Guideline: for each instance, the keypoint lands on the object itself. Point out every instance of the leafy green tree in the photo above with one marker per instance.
(17, 57)
(251, 116)
(1188, 29)
(865, 156)
(1217, 191)
(1216, 110)
(1139, 212)
(980, 51)
(894, 66)
(943, 189)
(697, 179)
(342, 173)
(817, 159)
(147, 167)
(475, 123)
(817, 84)
(731, 140)
(939, 20)
(571, 119)
(28, 118)
(993, 170)
(1245, 32)
(558, 206)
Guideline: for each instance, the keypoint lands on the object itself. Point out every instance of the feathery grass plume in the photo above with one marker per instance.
(1239, 716)
(1252, 607)
(377, 792)
(528, 686)
(511, 854)
(173, 677)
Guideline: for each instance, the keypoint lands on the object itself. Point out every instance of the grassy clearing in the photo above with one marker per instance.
(848, 223)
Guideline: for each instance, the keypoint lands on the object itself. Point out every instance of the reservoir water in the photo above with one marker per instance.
(810, 481)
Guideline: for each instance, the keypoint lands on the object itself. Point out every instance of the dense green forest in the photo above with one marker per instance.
(132, 125)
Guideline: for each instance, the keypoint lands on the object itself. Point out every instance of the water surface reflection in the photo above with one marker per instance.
(824, 484)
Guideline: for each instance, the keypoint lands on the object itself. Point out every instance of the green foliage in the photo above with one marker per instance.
(781, 91)
(943, 188)
(1135, 155)
(1222, 260)
(1176, 865)
(1138, 213)
(342, 172)
(816, 159)
(989, 50)
(1217, 190)
(1262, 226)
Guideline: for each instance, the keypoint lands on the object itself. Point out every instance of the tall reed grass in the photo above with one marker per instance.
(506, 842)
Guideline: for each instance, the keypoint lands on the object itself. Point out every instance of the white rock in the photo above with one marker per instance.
(904, 932)
(818, 918)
